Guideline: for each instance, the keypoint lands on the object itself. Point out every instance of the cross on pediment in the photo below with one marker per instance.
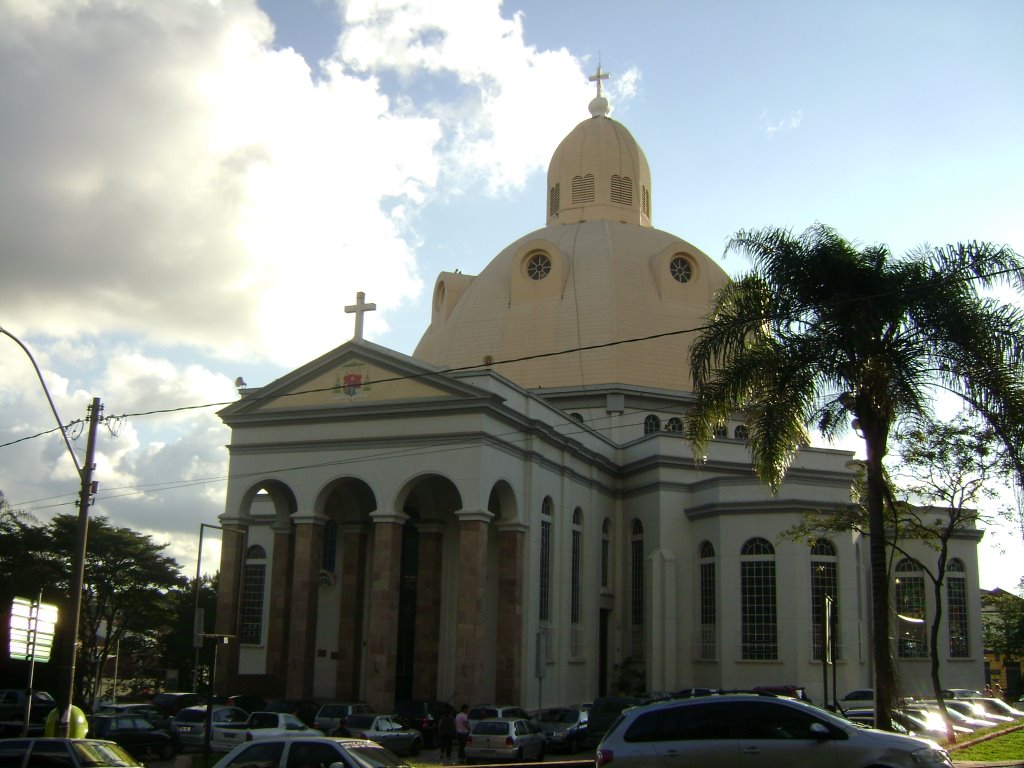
(359, 309)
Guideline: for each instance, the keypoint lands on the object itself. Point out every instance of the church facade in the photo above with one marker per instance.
(512, 514)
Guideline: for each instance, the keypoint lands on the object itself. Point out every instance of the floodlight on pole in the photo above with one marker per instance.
(88, 488)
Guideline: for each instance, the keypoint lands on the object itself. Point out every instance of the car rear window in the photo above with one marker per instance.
(191, 716)
(360, 721)
(491, 728)
(479, 713)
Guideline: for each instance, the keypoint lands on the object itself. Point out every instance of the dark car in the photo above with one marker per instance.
(304, 709)
(605, 711)
(160, 719)
(422, 715)
(172, 702)
(68, 753)
(565, 728)
(12, 711)
(135, 734)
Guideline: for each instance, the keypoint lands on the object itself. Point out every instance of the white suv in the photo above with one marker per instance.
(747, 729)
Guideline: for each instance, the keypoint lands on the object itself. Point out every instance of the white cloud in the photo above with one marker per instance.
(771, 127)
(173, 182)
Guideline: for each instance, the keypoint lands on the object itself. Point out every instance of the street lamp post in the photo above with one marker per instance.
(88, 488)
(198, 627)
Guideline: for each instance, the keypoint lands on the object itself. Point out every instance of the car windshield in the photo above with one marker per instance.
(93, 754)
(491, 728)
(360, 721)
(373, 757)
(559, 716)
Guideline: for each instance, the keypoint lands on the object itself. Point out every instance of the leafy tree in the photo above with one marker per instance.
(1004, 623)
(126, 585)
(954, 469)
(821, 332)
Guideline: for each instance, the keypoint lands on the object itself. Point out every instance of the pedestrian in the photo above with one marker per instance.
(462, 730)
(446, 734)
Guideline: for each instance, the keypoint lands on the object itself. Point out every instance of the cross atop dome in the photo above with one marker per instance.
(599, 105)
(598, 77)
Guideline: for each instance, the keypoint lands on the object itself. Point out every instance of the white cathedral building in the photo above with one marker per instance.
(512, 514)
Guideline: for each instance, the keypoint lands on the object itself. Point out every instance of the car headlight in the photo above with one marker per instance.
(930, 756)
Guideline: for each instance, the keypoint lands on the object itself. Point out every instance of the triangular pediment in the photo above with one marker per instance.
(355, 374)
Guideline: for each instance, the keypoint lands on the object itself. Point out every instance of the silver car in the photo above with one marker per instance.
(748, 729)
(503, 740)
(190, 722)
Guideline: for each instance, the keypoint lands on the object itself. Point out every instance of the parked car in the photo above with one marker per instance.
(248, 702)
(423, 715)
(332, 716)
(505, 739)
(191, 722)
(135, 733)
(930, 713)
(604, 712)
(998, 707)
(67, 753)
(321, 752)
(564, 728)
(961, 693)
(173, 702)
(711, 732)
(304, 709)
(484, 711)
(160, 719)
(12, 711)
(862, 698)
(260, 726)
(386, 731)
(969, 711)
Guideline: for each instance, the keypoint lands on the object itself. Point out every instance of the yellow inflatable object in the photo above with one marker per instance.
(77, 729)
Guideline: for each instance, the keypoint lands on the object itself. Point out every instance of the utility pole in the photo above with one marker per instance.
(78, 570)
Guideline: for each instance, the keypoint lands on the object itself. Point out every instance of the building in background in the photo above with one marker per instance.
(512, 513)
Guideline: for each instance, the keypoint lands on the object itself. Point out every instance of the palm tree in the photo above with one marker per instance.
(821, 332)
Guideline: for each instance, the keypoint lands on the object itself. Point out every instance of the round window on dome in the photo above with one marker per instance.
(681, 269)
(538, 266)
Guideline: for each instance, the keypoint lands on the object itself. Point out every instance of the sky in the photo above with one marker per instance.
(192, 191)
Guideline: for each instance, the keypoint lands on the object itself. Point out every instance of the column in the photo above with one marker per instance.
(509, 661)
(232, 561)
(427, 645)
(302, 613)
(352, 585)
(385, 571)
(277, 611)
(472, 585)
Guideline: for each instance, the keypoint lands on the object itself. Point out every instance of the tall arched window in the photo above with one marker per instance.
(956, 606)
(606, 553)
(576, 640)
(911, 627)
(554, 199)
(675, 424)
(254, 582)
(758, 612)
(824, 583)
(708, 612)
(329, 559)
(652, 424)
(721, 431)
(741, 432)
(546, 510)
(636, 590)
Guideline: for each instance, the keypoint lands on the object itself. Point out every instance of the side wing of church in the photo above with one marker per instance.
(455, 526)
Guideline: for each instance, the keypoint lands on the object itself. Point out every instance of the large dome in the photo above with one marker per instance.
(591, 283)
